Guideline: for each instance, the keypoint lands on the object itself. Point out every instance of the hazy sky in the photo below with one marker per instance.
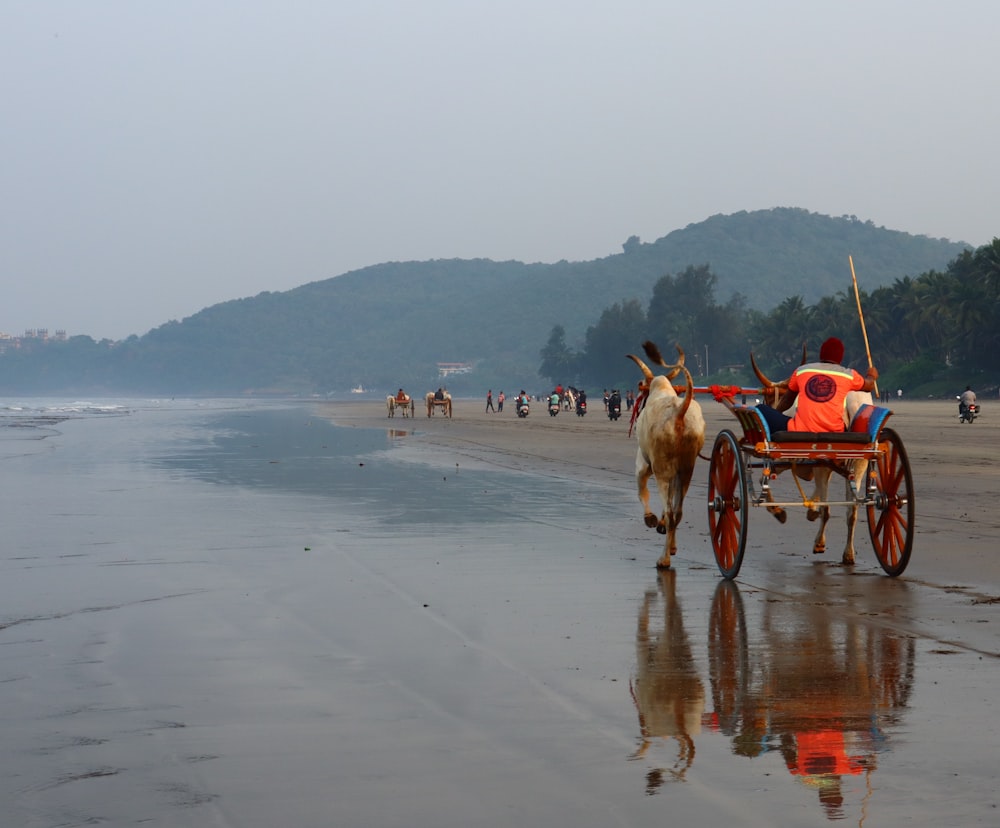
(158, 157)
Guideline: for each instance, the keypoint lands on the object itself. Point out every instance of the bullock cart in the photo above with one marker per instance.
(434, 403)
(406, 406)
(743, 468)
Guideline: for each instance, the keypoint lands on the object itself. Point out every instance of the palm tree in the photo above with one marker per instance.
(936, 292)
(777, 337)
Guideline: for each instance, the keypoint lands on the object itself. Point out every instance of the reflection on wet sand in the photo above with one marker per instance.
(668, 692)
(823, 689)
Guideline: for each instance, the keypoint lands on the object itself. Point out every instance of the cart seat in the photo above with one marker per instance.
(865, 426)
(820, 437)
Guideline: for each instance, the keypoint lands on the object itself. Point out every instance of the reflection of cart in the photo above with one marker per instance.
(825, 690)
(885, 490)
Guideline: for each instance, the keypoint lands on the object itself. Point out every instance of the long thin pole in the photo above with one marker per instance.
(861, 316)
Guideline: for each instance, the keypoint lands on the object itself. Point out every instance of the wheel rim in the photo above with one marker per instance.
(727, 504)
(890, 518)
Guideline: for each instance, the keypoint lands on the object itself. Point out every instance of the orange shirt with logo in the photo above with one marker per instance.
(822, 389)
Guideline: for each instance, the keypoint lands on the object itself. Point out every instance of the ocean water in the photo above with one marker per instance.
(275, 448)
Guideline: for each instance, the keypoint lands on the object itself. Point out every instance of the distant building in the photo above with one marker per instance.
(31, 337)
(446, 369)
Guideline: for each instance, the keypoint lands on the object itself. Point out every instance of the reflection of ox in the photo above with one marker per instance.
(405, 406)
(853, 471)
(671, 432)
(433, 402)
(667, 690)
(813, 684)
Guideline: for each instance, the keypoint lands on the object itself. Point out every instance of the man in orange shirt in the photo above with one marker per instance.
(821, 389)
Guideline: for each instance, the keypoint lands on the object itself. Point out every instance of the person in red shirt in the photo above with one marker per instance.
(821, 389)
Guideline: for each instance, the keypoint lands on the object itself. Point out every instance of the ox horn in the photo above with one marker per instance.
(642, 367)
(760, 374)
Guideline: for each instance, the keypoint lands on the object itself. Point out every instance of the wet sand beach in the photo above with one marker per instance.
(260, 614)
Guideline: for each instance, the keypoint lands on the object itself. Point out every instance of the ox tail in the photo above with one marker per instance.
(688, 395)
(653, 352)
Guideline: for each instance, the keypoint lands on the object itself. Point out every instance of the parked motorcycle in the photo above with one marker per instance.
(614, 406)
(967, 413)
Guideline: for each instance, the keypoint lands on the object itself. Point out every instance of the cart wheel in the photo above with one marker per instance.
(727, 504)
(890, 517)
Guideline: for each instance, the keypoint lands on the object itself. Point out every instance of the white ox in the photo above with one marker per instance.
(671, 432)
(858, 469)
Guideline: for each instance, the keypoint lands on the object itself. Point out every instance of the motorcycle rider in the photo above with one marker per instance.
(615, 405)
(968, 398)
(522, 402)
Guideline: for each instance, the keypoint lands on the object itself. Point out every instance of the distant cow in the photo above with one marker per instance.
(671, 432)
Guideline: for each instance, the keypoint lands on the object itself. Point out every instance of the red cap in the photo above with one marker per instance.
(832, 350)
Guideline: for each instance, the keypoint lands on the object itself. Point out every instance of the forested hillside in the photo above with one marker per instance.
(390, 324)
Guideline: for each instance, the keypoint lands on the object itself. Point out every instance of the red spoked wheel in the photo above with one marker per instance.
(890, 517)
(727, 504)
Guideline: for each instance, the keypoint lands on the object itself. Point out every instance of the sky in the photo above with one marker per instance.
(159, 157)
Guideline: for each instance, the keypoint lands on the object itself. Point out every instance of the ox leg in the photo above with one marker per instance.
(860, 475)
(821, 492)
(823, 513)
(670, 545)
(672, 493)
(852, 521)
(779, 513)
(643, 471)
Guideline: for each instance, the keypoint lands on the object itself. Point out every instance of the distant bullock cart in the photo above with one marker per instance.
(405, 406)
(438, 399)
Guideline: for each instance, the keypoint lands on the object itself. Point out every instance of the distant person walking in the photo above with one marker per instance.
(489, 401)
(500, 400)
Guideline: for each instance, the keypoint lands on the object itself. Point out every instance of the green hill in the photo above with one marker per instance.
(390, 324)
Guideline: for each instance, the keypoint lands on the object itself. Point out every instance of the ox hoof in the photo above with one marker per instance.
(780, 514)
(847, 560)
(819, 549)
(663, 564)
(651, 520)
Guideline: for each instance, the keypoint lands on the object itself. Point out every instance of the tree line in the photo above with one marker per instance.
(939, 324)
